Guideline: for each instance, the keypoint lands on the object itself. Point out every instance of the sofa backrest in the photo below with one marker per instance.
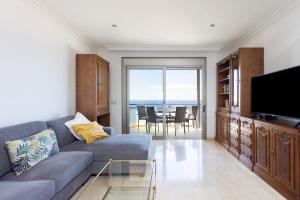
(14, 133)
(63, 134)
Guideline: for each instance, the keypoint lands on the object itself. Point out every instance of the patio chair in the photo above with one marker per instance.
(178, 119)
(153, 118)
(142, 115)
(193, 117)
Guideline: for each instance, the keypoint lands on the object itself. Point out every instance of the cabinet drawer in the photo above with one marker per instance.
(246, 143)
(246, 152)
(234, 143)
(234, 122)
(246, 124)
(246, 134)
(262, 129)
(235, 110)
(234, 137)
(234, 131)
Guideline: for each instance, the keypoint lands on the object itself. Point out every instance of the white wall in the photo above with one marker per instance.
(37, 66)
(115, 59)
(281, 41)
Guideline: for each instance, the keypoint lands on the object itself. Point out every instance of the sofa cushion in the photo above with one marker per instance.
(5, 165)
(29, 190)
(61, 168)
(90, 132)
(14, 133)
(109, 130)
(63, 134)
(78, 119)
(120, 147)
(27, 152)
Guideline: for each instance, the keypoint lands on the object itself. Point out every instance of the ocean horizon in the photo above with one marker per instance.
(158, 102)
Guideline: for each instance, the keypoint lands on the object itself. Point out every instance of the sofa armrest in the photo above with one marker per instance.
(109, 130)
(27, 190)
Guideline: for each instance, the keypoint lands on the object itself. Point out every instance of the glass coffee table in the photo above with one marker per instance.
(122, 180)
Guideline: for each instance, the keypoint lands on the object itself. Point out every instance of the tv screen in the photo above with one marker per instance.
(277, 93)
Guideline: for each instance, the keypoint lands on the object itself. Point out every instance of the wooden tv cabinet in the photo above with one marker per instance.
(270, 148)
(277, 156)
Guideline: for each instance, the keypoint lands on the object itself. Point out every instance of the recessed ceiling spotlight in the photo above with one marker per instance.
(212, 25)
(114, 25)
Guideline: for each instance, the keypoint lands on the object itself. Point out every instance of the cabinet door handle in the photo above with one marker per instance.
(271, 153)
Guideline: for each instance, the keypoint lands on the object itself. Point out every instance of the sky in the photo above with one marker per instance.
(148, 85)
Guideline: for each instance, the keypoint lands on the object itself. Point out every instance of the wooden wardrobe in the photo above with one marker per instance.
(92, 88)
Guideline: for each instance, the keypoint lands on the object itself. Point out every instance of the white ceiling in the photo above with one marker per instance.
(180, 23)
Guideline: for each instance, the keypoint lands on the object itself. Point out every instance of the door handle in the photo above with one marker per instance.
(271, 153)
(203, 108)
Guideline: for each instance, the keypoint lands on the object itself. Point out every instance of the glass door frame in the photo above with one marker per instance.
(164, 68)
(127, 117)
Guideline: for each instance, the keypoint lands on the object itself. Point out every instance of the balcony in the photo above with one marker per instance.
(190, 128)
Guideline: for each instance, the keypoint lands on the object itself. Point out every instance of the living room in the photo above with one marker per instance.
(240, 143)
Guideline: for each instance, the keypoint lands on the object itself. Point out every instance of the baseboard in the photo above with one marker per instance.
(210, 138)
(288, 194)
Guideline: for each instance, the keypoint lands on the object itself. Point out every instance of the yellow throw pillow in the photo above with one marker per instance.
(90, 132)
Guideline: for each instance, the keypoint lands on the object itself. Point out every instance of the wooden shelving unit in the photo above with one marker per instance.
(234, 75)
(224, 70)
(223, 85)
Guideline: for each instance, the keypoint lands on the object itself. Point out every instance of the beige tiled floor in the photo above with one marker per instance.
(199, 169)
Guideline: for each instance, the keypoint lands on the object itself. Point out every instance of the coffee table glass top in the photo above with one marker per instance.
(122, 180)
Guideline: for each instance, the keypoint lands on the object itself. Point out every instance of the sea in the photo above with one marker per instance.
(168, 102)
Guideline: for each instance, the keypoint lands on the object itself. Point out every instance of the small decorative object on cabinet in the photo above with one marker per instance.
(234, 75)
(92, 87)
(226, 103)
(277, 160)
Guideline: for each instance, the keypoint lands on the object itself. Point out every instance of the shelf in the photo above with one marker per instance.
(224, 70)
(225, 93)
(100, 113)
(225, 79)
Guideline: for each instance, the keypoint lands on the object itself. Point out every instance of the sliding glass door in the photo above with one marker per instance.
(183, 89)
(166, 102)
(146, 101)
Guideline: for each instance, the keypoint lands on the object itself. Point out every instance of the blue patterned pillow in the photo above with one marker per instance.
(29, 151)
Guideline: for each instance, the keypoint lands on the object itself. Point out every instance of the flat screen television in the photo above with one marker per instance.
(277, 93)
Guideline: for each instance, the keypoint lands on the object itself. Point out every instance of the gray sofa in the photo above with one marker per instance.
(59, 176)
